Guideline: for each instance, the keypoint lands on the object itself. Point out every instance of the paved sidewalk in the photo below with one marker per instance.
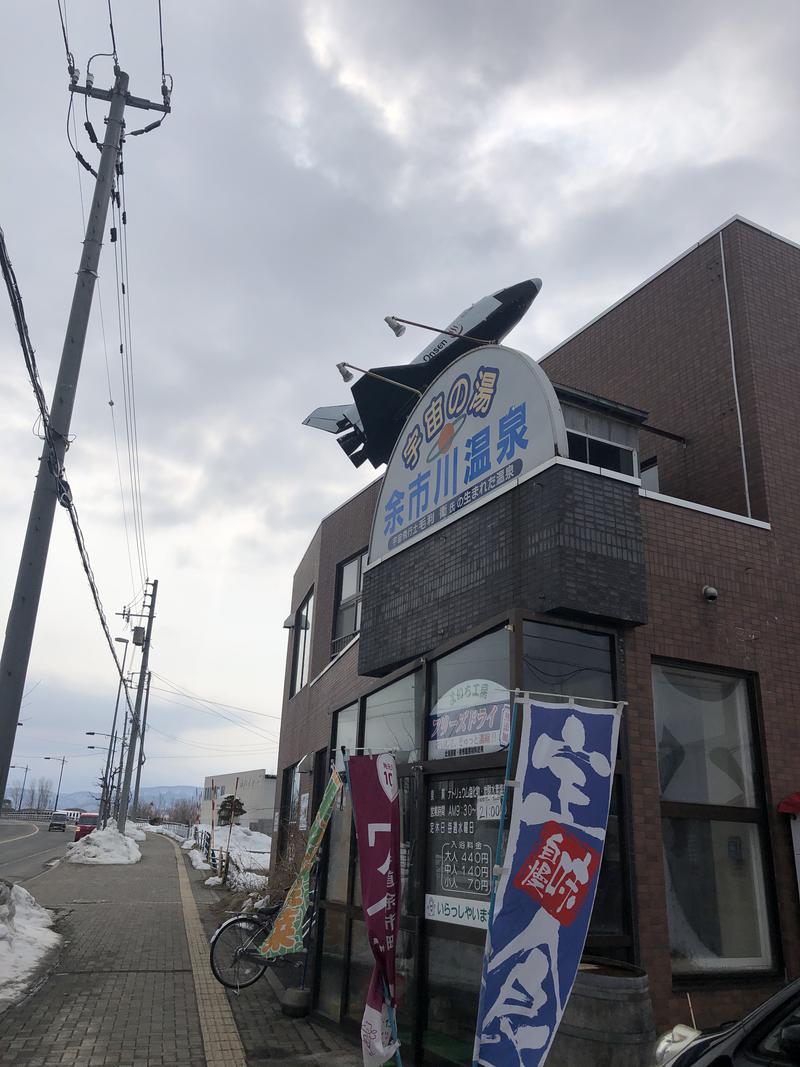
(129, 988)
(269, 1036)
(122, 990)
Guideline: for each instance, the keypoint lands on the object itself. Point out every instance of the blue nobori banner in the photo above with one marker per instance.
(548, 881)
(486, 421)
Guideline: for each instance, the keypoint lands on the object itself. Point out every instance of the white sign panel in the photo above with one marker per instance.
(457, 910)
(487, 420)
(473, 716)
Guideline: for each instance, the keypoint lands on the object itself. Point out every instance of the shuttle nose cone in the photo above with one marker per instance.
(521, 293)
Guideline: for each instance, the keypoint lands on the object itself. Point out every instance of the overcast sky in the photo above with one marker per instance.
(327, 164)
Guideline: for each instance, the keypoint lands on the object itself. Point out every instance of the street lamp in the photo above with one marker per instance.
(345, 368)
(60, 776)
(17, 767)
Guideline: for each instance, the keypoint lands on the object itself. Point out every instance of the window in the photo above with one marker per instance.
(600, 453)
(391, 718)
(290, 809)
(713, 822)
(347, 617)
(558, 659)
(470, 705)
(301, 657)
(648, 472)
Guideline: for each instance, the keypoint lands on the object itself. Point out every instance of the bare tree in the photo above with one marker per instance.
(15, 792)
(44, 793)
(182, 811)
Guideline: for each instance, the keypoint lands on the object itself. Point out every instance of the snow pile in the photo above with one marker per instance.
(213, 881)
(246, 881)
(25, 937)
(197, 860)
(104, 846)
(165, 832)
(249, 849)
(136, 833)
(188, 843)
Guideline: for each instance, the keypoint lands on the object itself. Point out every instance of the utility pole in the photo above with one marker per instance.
(14, 767)
(141, 744)
(121, 768)
(105, 803)
(63, 760)
(125, 787)
(28, 588)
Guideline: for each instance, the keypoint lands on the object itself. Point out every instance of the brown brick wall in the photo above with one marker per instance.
(745, 629)
(666, 350)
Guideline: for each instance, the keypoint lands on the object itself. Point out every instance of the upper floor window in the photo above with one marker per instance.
(301, 656)
(347, 617)
(648, 472)
(600, 453)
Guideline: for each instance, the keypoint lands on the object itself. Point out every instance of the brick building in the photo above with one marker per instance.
(654, 563)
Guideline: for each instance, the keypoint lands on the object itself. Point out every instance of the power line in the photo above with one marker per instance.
(127, 307)
(113, 38)
(206, 700)
(63, 491)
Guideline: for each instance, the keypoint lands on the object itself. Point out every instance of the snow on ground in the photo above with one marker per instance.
(25, 937)
(104, 846)
(249, 849)
(188, 843)
(213, 881)
(136, 833)
(197, 860)
(165, 833)
(246, 881)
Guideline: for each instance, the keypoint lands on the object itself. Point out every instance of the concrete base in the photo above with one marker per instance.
(296, 1002)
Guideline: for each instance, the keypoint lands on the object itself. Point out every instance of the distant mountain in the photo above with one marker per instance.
(160, 795)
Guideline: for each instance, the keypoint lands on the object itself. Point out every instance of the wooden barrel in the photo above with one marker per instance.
(609, 1018)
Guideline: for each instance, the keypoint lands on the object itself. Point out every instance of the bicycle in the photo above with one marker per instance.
(235, 959)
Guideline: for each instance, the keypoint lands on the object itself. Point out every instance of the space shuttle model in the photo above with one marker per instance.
(369, 428)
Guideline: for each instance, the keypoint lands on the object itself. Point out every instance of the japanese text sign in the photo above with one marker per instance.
(376, 810)
(488, 419)
(549, 877)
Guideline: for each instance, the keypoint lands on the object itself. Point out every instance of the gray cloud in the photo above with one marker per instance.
(327, 164)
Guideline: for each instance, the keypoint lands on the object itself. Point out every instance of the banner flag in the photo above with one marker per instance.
(547, 885)
(286, 935)
(376, 811)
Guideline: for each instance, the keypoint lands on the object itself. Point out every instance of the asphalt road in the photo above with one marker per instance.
(26, 848)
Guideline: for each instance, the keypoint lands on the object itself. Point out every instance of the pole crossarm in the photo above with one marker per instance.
(130, 101)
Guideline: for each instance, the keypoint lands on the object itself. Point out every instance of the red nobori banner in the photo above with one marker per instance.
(376, 810)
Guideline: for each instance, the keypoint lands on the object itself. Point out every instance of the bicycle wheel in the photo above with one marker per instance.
(228, 964)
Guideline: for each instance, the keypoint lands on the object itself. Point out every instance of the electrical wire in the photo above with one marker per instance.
(113, 38)
(51, 438)
(206, 700)
(103, 329)
(127, 307)
(125, 394)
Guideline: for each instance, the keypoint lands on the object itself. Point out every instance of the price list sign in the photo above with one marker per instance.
(463, 821)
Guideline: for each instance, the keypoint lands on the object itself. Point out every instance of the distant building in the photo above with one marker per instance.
(652, 559)
(256, 790)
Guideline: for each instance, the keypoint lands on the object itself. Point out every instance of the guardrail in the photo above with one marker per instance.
(28, 815)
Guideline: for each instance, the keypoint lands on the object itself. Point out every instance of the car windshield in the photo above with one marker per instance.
(87, 820)
(58, 817)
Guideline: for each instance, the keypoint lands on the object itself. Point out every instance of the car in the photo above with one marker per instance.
(87, 821)
(768, 1035)
(58, 821)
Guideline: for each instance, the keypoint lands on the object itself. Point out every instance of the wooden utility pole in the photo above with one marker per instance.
(125, 788)
(30, 576)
